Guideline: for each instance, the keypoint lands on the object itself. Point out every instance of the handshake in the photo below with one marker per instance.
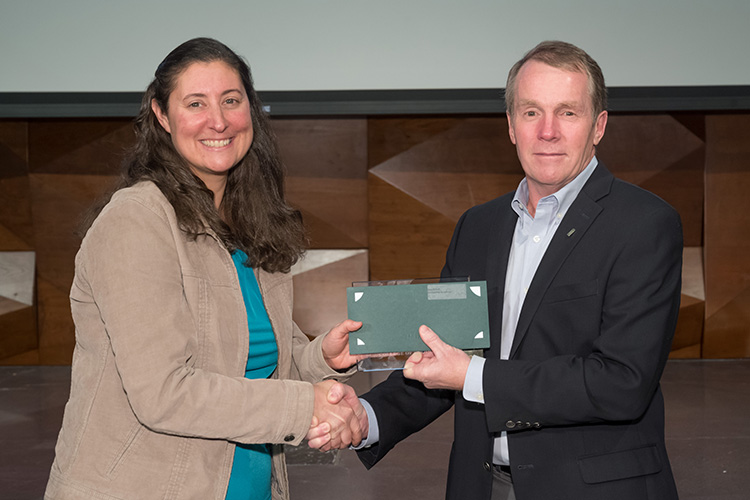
(339, 419)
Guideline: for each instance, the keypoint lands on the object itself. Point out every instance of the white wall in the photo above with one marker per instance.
(113, 46)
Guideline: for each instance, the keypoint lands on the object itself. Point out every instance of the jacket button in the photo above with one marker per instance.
(289, 438)
(510, 424)
(487, 466)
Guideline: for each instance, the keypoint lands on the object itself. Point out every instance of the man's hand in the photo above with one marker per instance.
(341, 393)
(337, 417)
(443, 367)
(336, 345)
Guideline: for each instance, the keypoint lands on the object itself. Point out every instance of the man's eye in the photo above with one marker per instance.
(194, 105)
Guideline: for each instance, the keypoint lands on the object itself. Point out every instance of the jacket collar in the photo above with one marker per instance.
(582, 213)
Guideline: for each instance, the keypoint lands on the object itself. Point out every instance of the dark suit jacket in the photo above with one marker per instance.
(580, 396)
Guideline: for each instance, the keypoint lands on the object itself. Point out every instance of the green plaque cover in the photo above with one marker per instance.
(391, 316)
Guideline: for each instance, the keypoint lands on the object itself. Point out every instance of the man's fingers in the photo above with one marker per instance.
(336, 393)
(410, 363)
(430, 338)
(350, 397)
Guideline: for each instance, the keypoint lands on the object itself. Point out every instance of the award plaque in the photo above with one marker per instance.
(392, 312)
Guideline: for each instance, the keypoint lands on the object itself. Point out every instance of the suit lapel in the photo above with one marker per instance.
(572, 228)
(498, 252)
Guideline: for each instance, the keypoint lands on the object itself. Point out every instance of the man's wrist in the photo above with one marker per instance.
(373, 432)
(473, 387)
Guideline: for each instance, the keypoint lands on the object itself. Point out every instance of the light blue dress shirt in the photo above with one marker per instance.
(531, 238)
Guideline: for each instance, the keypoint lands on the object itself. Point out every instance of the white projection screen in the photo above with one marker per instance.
(84, 47)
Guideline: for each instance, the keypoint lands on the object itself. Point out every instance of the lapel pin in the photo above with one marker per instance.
(571, 232)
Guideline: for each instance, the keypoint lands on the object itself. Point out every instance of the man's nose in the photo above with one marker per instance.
(549, 128)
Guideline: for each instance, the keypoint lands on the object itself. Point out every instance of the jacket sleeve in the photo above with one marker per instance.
(616, 348)
(402, 407)
(129, 269)
(308, 361)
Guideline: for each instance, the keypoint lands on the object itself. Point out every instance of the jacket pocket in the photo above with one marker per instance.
(620, 465)
(130, 442)
(572, 291)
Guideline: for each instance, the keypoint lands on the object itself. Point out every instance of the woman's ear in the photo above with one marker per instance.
(161, 116)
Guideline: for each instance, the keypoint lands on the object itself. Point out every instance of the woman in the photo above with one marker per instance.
(188, 372)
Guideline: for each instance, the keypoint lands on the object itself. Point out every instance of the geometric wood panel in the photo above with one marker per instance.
(79, 147)
(387, 192)
(423, 174)
(18, 326)
(688, 335)
(64, 166)
(664, 155)
(15, 203)
(58, 203)
(326, 165)
(18, 330)
(320, 282)
(727, 239)
(408, 239)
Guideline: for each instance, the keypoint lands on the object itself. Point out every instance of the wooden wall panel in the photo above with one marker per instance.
(407, 238)
(424, 173)
(727, 240)
(18, 330)
(326, 161)
(664, 155)
(71, 163)
(18, 326)
(15, 200)
(393, 188)
(320, 282)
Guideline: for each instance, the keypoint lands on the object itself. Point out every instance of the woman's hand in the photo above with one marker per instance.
(336, 345)
(339, 420)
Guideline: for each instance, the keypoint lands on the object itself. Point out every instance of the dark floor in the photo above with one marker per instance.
(708, 437)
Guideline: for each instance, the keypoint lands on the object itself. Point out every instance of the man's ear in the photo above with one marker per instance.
(161, 116)
(599, 127)
(511, 132)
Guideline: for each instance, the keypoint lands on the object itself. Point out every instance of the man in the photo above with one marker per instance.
(583, 276)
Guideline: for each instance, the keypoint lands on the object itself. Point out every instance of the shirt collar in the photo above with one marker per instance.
(564, 196)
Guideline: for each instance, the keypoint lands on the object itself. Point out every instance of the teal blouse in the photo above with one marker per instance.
(251, 470)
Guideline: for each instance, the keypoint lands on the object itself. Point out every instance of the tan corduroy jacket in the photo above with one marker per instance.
(158, 393)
